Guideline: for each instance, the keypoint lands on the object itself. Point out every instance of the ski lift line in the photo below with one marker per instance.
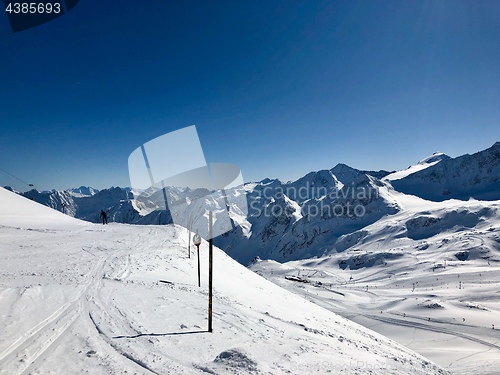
(17, 178)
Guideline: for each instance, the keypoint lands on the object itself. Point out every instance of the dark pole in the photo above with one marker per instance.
(198, 251)
(189, 241)
(197, 243)
(210, 267)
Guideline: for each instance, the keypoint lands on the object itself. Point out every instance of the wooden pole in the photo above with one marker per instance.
(198, 251)
(210, 267)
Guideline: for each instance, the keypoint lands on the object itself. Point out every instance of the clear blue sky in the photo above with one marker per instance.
(279, 88)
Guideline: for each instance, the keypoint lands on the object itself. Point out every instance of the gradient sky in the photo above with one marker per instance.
(279, 88)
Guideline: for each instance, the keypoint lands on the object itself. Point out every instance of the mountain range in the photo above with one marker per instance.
(410, 254)
(301, 219)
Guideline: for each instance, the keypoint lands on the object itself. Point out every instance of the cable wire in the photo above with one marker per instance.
(17, 178)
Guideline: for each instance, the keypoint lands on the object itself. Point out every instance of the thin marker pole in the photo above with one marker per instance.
(189, 241)
(210, 268)
(197, 243)
(198, 251)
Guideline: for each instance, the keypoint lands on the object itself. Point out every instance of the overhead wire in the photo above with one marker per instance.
(17, 178)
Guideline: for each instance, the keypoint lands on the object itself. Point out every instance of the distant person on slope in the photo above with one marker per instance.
(104, 217)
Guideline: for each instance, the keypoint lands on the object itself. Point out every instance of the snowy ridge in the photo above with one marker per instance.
(421, 165)
(282, 229)
(476, 176)
(121, 298)
(20, 212)
(303, 218)
(84, 191)
(86, 203)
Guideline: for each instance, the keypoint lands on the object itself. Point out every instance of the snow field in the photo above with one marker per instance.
(85, 298)
(427, 277)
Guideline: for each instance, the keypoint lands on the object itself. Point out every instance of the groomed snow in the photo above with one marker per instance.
(85, 298)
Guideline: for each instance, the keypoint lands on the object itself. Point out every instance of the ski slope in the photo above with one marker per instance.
(427, 277)
(85, 298)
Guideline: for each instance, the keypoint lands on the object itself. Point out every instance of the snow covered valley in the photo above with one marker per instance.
(427, 277)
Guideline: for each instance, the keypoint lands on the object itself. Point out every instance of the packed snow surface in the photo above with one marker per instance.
(85, 298)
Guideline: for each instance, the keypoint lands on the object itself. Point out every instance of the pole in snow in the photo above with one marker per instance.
(197, 242)
(210, 268)
(189, 243)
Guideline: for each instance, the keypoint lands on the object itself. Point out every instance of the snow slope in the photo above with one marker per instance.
(427, 276)
(85, 298)
(21, 212)
(420, 166)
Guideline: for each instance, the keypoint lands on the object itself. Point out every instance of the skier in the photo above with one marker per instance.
(104, 217)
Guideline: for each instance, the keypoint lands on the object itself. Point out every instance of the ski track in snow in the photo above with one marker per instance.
(33, 343)
(28, 350)
(90, 300)
(379, 302)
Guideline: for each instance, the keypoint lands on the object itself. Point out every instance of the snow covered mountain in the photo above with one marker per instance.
(84, 191)
(86, 203)
(299, 219)
(78, 297)
(427, 276)
(290, 220)
(306, 218)
(476, 176)
(421, 165)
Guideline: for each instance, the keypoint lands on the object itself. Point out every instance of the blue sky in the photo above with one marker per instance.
(279, 88)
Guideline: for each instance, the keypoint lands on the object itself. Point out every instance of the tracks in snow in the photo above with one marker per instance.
(81, 308)
(430, 327)
(22, 354)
